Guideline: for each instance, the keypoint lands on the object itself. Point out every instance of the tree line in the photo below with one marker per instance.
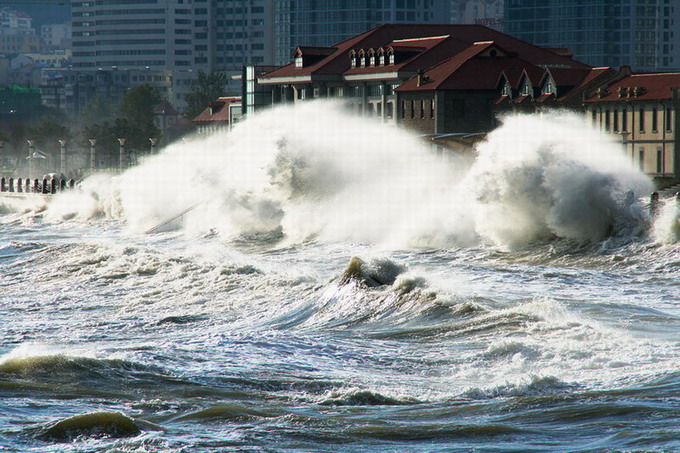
(133, 120)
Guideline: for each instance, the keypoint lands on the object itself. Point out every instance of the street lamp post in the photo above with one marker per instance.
(31, 166)
(93, 154)
(154, 142)
(62, 162)
(121, 154)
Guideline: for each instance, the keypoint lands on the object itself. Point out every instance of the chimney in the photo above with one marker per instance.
(420, 77)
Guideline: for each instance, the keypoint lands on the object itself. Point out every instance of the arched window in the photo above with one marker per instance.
(507, 89)
(381, 56)
(371, 57)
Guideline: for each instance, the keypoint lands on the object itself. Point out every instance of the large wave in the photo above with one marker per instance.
(314, 171)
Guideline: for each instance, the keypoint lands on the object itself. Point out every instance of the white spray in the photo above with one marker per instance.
(551, 175)
(315, 171)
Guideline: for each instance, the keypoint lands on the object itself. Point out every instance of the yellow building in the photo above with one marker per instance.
(642, 111)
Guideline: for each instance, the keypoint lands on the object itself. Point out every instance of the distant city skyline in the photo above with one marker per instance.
(640, 34)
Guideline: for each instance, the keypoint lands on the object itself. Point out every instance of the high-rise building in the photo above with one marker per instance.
(241, 33)
(180, 36)
(17, 34)
(316, 23)
(638, 33)
(480, 12)
(159, 34)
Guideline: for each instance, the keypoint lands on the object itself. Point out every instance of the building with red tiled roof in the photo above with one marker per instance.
(165, 116)
(435, 78)
(642, 111)
(219, 115)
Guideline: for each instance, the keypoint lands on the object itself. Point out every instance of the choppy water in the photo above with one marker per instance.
(479, 315)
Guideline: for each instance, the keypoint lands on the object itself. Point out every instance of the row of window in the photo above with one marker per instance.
(660, 160)
(422, 109)
(617, 120)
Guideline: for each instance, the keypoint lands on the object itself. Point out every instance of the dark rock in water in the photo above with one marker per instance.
(95, 424)
(365, 398)
(181, 319)
(378, 272)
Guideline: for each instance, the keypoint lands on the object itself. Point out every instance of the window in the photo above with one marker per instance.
(422, 109)
(606, 120)
(413, 109)
(432, 108)
(615, 121)
(549, 87)
(624, 120)
(641, 158)
(654, 120)
(669, 123)
(659, 160)
(641, 119)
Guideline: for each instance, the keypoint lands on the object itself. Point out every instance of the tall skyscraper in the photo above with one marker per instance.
(159, 34)
(638, 33)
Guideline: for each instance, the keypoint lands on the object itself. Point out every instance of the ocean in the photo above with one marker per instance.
(315, 282)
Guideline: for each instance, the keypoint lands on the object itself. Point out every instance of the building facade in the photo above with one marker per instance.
(220, 115)
(640, 34)
(434, 79)
(480, 12)
(17, 34)
(641, 110)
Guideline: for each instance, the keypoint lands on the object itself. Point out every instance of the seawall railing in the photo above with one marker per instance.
(45, 186)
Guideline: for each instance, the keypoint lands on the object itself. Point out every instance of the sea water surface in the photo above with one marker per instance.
(336, 286)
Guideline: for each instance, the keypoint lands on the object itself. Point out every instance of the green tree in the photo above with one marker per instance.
(139, 104)
(47, 134)
(135, 123)
(98, 110)
(206, 88)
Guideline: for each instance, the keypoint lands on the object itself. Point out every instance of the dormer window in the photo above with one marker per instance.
(507, 89)
(353, 59)
(362, 58)
(526, 88)
(371, 57)
(298, 61)
(381, 57)
(549, 87)
(390, 56)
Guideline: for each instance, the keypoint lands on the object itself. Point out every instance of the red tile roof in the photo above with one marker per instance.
(641, 87)
(595, 77)
(165, 108)
(478, 67)
(218, 110)
(433, 43)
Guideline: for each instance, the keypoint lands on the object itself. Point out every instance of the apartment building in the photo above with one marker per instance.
(642, 111)
(17, 34)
